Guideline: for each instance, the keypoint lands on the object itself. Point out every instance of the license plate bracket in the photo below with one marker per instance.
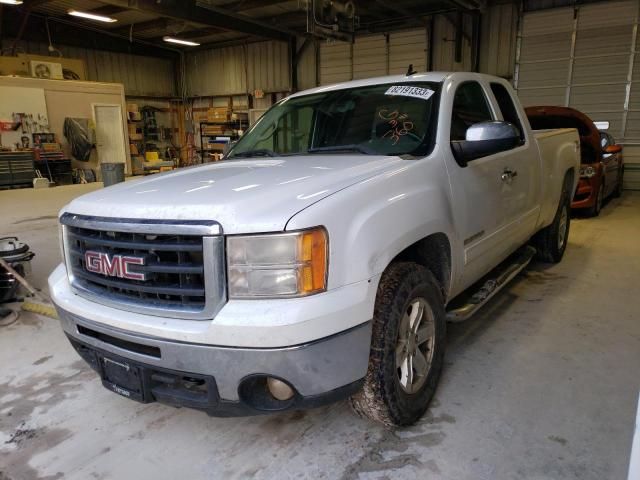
(122, 377)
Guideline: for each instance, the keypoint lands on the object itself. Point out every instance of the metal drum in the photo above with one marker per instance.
(18, 256)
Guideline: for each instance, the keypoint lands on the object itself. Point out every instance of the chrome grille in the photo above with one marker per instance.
(183, 268)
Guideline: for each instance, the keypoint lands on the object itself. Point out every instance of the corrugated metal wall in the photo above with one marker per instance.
(407, 48)
(585, 58)
(370, 56)
(444, 34)
(336, 62)
(141, 76)
(376, 55)
(498, 40)
(238, 70)
(307, 66)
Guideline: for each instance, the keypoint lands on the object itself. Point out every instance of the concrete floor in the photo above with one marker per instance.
(541, 384)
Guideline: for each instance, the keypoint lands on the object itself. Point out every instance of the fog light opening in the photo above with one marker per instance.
(279, 389)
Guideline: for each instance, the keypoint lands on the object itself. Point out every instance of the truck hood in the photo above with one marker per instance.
(244, 196)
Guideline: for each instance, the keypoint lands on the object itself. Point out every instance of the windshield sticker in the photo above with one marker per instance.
(410, 91)
(399, 124)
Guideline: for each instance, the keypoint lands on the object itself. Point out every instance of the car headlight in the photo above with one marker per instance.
(587, 172)
(277, 265)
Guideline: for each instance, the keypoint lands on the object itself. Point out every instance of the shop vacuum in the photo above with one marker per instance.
(18, 256)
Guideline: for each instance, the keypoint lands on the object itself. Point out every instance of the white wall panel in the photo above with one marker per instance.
(370, 57)
(590, 73)
(335, 62)
(498, 40)
(407, 48)
(444, 46)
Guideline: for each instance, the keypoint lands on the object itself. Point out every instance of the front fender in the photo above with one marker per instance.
(371, 222)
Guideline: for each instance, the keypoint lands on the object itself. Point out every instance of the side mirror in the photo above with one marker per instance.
(613, 149)
(485, 138)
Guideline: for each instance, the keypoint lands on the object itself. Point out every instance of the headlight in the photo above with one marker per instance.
(277, 265)
(587, 172)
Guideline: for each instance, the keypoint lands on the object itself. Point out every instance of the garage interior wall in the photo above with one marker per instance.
(75, 99)
(238, 70)
(140, 75)
(585, 57)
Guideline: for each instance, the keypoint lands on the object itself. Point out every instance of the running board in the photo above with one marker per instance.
(496, 280)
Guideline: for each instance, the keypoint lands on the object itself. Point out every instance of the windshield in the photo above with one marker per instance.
(374, 120)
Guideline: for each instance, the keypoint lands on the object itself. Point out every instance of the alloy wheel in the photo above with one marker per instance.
(415, 345)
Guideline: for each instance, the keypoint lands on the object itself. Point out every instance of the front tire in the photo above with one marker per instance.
(597, 206)
(617, 193)
(551, 241)
(407, 347)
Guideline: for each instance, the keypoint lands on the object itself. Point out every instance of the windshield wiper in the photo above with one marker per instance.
(342, 148)
(260, 152)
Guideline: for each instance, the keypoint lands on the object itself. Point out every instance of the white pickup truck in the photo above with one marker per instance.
(324, 256)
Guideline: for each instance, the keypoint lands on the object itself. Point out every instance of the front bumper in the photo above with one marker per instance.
(320, 372)
(585, 196)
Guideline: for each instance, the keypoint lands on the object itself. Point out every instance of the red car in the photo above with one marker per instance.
(602, 165)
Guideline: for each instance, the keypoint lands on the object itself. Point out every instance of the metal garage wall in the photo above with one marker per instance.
(216, 72)
(335, 62)
(545, 50)
(498, 40)
(370, 56)
(586, 58)
(141, 76)
(268, 66)
(236, 70)
(444, 34)
(307, 66)
(406, 48)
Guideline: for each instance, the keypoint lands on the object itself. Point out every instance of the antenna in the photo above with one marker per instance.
(410, 70)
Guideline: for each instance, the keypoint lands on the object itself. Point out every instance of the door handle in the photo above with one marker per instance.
(508, 175)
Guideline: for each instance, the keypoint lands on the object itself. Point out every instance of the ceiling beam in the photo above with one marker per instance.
(71, 33)
(242, 5)
(141, 27)
(107, 10)
(203, 13)
(470, 4)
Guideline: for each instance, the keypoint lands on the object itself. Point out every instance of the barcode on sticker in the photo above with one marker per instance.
(410, 91)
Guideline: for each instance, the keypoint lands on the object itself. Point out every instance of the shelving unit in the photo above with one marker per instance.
(215, 135)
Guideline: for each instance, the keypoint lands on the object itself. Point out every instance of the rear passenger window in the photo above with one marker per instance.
(470, 106)
(507, 107)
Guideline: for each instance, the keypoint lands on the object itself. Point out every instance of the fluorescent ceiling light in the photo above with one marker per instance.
(91, 16)
(180, 42)
(11, 2)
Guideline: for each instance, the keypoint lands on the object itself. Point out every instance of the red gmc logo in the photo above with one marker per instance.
(113, 265)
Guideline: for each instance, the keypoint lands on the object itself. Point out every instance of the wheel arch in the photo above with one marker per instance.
(434, 253)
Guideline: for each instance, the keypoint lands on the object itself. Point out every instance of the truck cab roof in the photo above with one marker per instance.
(416, 77)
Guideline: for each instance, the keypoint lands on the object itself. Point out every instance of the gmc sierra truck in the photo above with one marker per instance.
(323, 257)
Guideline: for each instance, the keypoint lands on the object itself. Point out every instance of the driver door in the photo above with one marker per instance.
(477, 189)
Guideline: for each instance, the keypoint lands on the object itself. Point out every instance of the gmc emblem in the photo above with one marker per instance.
(113, 265)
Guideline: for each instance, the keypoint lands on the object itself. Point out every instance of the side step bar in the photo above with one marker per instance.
(496, 280)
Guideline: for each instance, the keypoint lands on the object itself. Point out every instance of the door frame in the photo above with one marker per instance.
(125, 133)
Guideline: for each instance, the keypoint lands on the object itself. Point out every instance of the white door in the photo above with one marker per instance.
(477, 189)
(521, 190)
(110, 141)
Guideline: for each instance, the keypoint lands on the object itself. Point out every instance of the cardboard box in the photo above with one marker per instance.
(218, 114)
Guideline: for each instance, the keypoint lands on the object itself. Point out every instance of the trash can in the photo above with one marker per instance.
(112, 173)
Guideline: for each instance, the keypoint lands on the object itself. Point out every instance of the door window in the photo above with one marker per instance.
(470, 106)
(507, 107)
